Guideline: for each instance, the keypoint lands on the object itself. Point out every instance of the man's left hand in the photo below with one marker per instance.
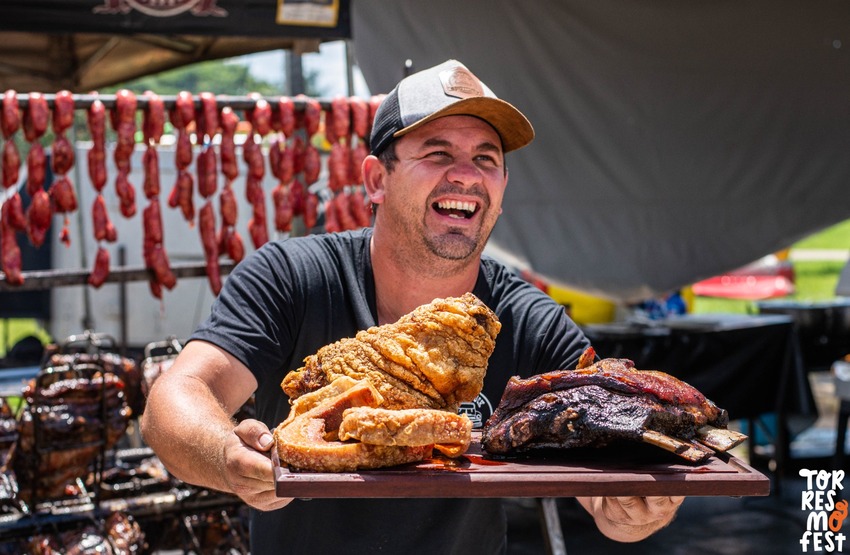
(631, 519)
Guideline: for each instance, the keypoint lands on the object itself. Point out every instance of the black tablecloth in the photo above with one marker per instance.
(748, 365)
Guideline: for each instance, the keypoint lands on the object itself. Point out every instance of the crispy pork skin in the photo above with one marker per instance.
(433, 357)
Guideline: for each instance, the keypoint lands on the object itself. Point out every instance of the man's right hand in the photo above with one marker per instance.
(249, 469)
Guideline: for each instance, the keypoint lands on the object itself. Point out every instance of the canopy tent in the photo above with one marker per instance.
(83, 45)
(675, 141)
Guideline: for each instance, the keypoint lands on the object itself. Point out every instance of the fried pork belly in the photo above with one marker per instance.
(434, 357)
(310, 440)
(451, 432)
(603, 402)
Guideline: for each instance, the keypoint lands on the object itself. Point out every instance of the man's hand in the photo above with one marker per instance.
(249, 470)
(631, 519)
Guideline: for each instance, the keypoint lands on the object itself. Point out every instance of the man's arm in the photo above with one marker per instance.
(188, 423)
(631, 519)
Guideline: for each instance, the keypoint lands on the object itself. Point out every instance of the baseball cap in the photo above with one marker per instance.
(448, 89)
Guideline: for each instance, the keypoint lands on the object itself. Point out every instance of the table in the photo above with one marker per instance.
(748, 365)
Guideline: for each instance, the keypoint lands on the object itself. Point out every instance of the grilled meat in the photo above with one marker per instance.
(601, 403)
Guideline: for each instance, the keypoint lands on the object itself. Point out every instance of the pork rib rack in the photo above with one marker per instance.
(603, 402)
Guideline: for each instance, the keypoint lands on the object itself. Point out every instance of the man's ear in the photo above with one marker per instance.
(374, 174)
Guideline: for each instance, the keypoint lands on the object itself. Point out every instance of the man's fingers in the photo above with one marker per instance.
(255, 434)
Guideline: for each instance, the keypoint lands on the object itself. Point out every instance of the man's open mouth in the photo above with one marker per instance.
(456, 209)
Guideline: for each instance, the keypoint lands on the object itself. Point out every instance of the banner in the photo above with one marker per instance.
(324, 19)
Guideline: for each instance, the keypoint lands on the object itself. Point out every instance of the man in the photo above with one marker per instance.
(437, 175)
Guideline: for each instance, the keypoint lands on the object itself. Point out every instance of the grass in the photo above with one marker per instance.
(834, 237)
(814, 280)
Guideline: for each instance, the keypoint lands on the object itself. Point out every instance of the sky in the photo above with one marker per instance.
(329, 63)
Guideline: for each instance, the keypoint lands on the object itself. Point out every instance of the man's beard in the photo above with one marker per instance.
(454, 246)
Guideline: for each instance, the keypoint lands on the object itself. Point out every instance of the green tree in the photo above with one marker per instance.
(214, 76)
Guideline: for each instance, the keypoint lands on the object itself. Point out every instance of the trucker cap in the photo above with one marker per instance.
(448, 89)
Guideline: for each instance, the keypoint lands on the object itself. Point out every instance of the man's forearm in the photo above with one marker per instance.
(188, 438)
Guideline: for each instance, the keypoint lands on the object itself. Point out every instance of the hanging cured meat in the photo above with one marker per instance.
(11, 164)
(286, 116)
(338, 167)
(182, 114)
(35, 119)
(260, 115)
(361, 123)
(103, 228)
(229, 242)
(283, 212)
(312, 164)
(206, 166)
(36, 116)
(101, 268)
(13, 213)
(361, 208)
(10, 122)
(311, 210)
(338, 120)
(310, 115)
(62, 191)
(227, 149)
(153, 249)
(38, 218)
(182, 195)
(10, 253)
(10, 119)
(123, 118)
(359, 152)
(96, 118)
(12, 218)
(206, 226)
(253, 156)
(63, 111)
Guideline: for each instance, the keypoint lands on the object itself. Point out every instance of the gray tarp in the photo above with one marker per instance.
(675, 140)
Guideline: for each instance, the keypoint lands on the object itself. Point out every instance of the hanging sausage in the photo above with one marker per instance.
(182, 115)
(62, 191)
(123, 119)
(153, 244)
(12, 218)
(35, 120)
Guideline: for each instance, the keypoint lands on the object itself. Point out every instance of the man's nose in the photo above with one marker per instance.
(464, 172)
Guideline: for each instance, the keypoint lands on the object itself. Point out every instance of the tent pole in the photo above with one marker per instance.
(349, 66)
(294, 73)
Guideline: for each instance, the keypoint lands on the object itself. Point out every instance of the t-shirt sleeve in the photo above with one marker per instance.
(246, 319)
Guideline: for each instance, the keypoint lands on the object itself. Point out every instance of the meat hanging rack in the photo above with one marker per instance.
(343, 200)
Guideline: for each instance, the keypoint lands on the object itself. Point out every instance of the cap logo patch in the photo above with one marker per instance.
(461, 83)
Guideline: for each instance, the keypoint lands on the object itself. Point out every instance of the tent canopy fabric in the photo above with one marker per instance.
(675, 141)
(83, 45)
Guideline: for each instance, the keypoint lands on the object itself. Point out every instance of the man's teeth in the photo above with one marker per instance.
(457, 205)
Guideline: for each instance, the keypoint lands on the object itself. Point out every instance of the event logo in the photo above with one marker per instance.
(826, 515)
(161, 8)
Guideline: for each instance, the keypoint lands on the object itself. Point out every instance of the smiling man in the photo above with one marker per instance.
(437, 176)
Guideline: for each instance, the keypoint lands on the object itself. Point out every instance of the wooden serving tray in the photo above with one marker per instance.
(636, 470)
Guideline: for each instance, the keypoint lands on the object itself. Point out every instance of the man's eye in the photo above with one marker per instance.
(440, 155)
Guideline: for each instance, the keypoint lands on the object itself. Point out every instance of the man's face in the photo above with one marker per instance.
(446, 188)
